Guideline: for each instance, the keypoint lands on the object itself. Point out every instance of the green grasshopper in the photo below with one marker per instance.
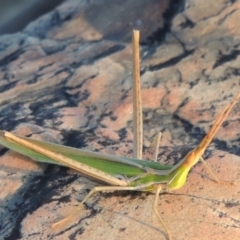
(122, 173)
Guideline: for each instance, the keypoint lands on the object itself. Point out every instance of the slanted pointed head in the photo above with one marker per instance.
(178, 175)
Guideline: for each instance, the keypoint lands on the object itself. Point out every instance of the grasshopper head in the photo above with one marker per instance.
(177, 178)
(178, 175)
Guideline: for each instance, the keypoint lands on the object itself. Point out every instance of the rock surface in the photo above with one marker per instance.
(67, 78)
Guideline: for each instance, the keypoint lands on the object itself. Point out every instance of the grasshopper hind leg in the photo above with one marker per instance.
(65, 222)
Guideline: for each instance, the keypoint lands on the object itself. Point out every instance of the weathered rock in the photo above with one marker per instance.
(69, 72)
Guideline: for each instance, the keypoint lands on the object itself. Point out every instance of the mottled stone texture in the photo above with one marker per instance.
(67, 78)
